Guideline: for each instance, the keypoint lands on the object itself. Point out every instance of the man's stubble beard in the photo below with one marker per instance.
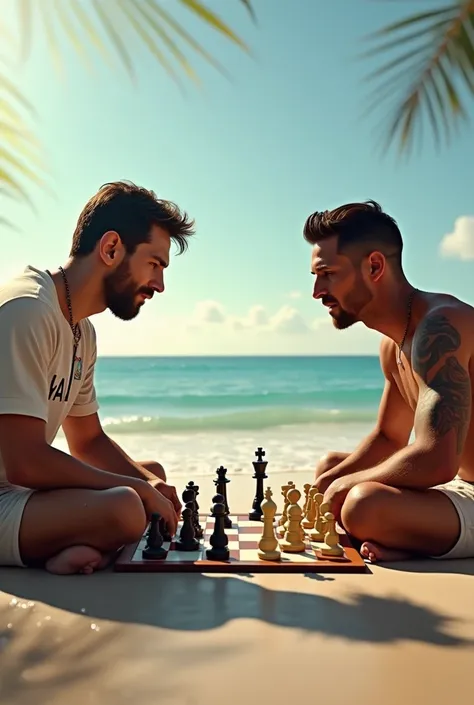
(120, 292)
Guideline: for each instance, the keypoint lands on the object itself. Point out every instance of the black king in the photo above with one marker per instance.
(259, 475)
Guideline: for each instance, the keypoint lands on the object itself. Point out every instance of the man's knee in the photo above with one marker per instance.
(124, 514)
(329, 461)
(364, 508)
(154, 468)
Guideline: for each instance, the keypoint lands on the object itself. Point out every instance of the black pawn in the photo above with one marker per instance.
(187, 539)
(154, 547)
(218, 539)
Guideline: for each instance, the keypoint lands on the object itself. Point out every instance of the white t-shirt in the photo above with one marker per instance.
(39, 374)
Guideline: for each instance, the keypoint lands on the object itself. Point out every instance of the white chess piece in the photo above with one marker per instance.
(331, 546)
(292, 541)
(268, 545)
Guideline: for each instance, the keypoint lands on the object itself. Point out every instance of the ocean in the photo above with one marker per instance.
(194, 414)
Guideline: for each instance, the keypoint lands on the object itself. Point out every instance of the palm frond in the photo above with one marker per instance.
(19, 153)
(430, 65)
(112, 28)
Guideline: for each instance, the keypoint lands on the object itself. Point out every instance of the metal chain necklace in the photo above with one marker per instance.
(400, 347)
(76, 331)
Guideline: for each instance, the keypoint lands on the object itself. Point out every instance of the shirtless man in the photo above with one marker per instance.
(408, 489)
(71, 512)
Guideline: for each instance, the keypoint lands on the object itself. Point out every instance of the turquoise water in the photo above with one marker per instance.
(162, 395)
(194, 414)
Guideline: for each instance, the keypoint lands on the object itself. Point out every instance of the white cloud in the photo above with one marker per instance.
(288, 320)
(209, 312)
(460, 242)
(285, 320)
(295, 294)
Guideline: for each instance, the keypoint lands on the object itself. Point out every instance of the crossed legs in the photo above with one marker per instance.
(396, 524)
(80, 530)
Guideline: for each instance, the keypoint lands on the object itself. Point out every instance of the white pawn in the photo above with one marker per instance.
(331, 546)
(268, 545)
(293, 541)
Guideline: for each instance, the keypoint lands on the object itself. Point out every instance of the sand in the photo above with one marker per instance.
(400, 634)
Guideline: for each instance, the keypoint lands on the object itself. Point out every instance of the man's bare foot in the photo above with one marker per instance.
(76, 559)
(376, 553)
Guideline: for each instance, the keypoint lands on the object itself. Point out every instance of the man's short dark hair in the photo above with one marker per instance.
(360, 228)
(131, 211)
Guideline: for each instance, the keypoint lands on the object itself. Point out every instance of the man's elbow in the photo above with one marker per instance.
(444, 469)
(17, 474)
(22, 469)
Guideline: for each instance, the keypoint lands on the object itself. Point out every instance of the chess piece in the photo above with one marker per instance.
(218, 539)
(221, 482)
(187, 539)
(292, 541)
(310, 513)
(154, 546)
(259, 475)
(283, 519)
(189, 498)
(268, 545)
(197, 528)
(331, 547)
(317, 532)
(306, 488)
(164, 531)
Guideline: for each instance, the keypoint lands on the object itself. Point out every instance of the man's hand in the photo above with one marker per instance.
(336, 494)
(325, 480)
(168, 491)
(156, 502)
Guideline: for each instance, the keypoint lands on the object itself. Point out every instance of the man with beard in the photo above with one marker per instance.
(399, 495)
(71, 512)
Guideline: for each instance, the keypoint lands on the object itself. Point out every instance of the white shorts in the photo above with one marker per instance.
(13, 500)
(461, 494)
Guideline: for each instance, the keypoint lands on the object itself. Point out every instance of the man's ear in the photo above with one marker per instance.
(376, 266)
(110, 248)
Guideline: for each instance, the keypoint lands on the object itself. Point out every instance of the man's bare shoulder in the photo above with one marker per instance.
(446, 329)
(388, 355)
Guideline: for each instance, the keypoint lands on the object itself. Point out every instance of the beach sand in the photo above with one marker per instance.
(398, 634)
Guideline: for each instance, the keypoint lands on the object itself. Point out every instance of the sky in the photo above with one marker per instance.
(249, 158)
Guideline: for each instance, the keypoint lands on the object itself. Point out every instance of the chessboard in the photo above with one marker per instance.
(302, 537)
(243, 539)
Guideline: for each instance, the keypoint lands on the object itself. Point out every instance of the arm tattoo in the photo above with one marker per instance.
(446, 404)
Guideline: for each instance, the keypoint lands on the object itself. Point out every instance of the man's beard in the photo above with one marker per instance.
(121, 291)
(343, 318)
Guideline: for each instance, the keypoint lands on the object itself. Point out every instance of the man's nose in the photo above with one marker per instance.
(158, 284)
(318, 290)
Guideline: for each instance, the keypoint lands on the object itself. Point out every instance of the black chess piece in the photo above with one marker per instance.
(259, 475)
(164, 531)
(187, 540)
(154, 546)
(221, 482)
(218, 540)
(189, 498)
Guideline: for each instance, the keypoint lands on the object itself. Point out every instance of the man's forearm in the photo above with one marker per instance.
(375, 448)
(51, 469)
(104, 453)
(411, 467)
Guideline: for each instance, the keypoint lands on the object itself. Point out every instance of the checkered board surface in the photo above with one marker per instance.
(243, 544)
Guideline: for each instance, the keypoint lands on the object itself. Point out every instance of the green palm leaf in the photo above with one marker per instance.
(430, 64)
(110, 27)
(19, 154)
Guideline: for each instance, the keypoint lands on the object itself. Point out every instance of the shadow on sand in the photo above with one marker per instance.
(196, 602)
